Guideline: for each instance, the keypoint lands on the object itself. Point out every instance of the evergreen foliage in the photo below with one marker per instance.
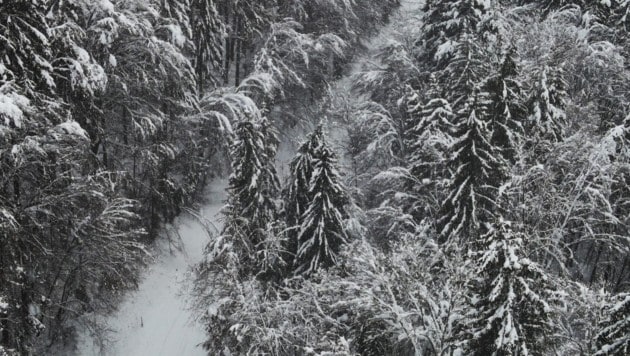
(115, 114)
(447, 22)
(253, 184)
(507, 112)
(430, 138)
(315, 206)
(548, 117)
(207, 34)
(477, 172)
(613, 337)
(512, 310)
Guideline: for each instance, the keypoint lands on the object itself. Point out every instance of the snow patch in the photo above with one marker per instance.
(112, 61)
(12, 107)
(3, 305)
(106, 6)
(446, 49)
(177, 35)
(72, 128)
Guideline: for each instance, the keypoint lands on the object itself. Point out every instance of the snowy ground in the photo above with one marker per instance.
(155, 320)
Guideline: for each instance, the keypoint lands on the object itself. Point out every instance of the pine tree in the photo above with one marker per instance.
(614, 337)
(506, 111)
(429, 139)
(512, 314)
(207, 34)
(427, 120)
(477, 171)
(319, 197)
(466, 72)
(547, 107)
(296, 193)
(476, 167)
(446, 21)
(253, 185)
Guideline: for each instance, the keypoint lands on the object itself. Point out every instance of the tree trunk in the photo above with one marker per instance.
(239, 45)
(594, 272)
(228, 46)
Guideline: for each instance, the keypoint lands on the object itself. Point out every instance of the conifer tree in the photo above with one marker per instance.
(547, 107)
(466, 72)
(506, 111)
(477, 170)
(296, 193)
(429, 139)
(427, 120)
(25, 51)
(476, 167)
(614, 337)
(446, 21)
(319, 197)
(207, 35)
(512, 314)
(253, 185)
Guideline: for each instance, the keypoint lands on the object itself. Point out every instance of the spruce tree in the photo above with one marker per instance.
(477, 171)
(428, 120)
(429, 139)
(475, 165)
(296, 193)
(207, 34)
(547, 107)
(614, 337)
(446, 21)
(506, 111)
(253, 185)
(319, 197)
(511, 312)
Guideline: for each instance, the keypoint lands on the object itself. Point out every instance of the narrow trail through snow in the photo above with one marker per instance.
(155, 320)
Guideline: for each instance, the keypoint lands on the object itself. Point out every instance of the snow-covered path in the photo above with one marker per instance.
(154, 320)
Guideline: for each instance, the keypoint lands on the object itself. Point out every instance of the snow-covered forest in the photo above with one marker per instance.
(315, 177)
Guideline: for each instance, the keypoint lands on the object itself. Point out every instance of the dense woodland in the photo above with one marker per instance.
(480, 204)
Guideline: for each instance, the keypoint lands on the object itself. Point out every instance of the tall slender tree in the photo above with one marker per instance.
(507, 112)
(319, 198)
(477, 168)
(208, 32)
(253, 185)
(296, 192)
(430, 137)
(512, 312)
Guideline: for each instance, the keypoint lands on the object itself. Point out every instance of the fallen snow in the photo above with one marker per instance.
(155, 320)
(72, 128)
(12, 107)
(178, 37)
